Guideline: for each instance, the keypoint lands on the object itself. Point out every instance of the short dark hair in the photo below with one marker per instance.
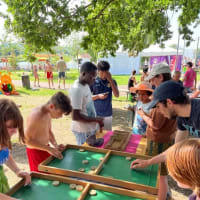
(149, 93)
(133, 72)
(145, 70)
(88, 67)
(61, 57)
(166, 76)
(62, 102)
(183, 99)
(103, 66)
(189, 64)
(177, 72)
(10, 111)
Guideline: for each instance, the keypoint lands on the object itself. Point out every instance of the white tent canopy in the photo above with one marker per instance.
(155, 50)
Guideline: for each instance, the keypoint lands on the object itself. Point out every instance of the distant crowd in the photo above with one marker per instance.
(61, 67)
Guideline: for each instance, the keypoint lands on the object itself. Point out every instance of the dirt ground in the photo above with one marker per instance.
(63, 134)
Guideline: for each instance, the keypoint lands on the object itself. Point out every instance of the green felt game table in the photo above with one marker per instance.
(114, 169)
(118, 167)
(72, 160)
(42, 188)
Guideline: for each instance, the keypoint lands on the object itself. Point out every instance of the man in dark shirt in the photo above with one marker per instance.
(102, 90)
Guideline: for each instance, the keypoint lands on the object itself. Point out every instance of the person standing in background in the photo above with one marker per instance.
(36, 76)
(61, 67)
(131, 83)
(189, 80)
(49, 73)
(144, 73)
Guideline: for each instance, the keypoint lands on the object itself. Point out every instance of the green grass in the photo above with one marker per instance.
(50, 92)
(38, 92)
(72, 75)
(123, 79)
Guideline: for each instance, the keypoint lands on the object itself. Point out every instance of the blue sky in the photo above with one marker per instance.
(174, 29)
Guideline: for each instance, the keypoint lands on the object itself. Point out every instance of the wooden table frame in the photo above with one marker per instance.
(95, 177)
(87, 187)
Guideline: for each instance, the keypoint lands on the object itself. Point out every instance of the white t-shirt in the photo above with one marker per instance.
(62, 67)
(81, 99)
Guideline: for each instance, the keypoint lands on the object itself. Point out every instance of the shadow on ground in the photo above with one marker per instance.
(19, 153)
(173, 185)
(121, 119)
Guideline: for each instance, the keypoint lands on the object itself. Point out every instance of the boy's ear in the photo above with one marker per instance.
(169, 102)
(51, 106)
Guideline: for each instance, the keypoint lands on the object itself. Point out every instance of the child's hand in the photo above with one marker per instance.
(108, 76)
(140, 112)
(55, 152)
(61, 147)
(26, 176)
(138, 163)
(102, 96)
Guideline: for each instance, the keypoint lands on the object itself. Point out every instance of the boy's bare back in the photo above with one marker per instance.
(49, 67)
(38, 127)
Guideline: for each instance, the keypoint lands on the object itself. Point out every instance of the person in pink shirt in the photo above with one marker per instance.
(189, 80)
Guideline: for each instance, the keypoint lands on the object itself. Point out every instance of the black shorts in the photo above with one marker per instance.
(61, 75)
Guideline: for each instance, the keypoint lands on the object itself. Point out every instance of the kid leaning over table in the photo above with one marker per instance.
(11, 121)
(40, 139)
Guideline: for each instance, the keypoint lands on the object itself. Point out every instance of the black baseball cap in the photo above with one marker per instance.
(167, 90)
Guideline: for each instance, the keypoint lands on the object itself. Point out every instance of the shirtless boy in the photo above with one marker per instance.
(49, 73)
(38, 133)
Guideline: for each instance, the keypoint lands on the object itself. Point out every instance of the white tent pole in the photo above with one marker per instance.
(177, 50)
(195, 60)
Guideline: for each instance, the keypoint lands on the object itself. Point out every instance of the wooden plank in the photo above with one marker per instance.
(88, 148)
(122, 191)
(102, 162)
(127, 154)
(126, 142)
(16, 187)
(85, 192)
(141, 148)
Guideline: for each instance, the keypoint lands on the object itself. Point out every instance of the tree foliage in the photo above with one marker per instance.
(109, 24)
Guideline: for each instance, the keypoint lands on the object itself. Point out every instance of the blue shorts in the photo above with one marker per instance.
(61, 75)
(82, 137)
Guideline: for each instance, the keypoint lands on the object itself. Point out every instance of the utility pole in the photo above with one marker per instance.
(195, 60)
(177, 49)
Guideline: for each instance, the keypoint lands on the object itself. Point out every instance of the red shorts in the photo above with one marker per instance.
(35, 157)
(49, 75)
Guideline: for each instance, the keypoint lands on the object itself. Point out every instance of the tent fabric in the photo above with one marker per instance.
(155, 50)
(122, 64)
